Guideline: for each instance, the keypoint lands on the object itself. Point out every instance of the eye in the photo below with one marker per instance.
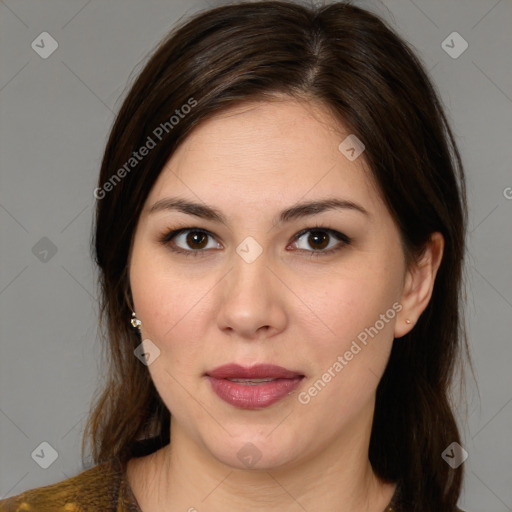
(319, 239)
(197, 240)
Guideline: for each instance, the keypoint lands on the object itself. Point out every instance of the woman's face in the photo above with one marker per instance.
(257, 291)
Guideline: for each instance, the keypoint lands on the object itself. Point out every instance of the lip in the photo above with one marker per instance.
(253, 396)
(258, 371)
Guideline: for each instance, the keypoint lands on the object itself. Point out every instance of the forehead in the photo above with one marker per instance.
(285, 149)
(279, 133)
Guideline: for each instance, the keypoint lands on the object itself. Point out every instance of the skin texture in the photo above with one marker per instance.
(286, 307)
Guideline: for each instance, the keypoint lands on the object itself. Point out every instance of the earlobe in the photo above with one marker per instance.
(419, 285)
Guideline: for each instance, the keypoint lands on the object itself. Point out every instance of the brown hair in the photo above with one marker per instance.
(354, 64)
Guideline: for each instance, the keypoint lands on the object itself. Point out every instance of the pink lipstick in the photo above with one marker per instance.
(253, 387)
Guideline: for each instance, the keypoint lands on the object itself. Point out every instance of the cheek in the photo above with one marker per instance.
(353, 303)
(171, 306)
(157, 289)
(352, 327)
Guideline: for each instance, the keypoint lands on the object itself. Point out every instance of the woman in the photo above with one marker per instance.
(280, 232)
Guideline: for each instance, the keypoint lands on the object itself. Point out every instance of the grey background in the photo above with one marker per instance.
(55, 117)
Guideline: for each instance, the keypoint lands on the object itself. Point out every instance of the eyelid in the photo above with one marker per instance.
(337, 234)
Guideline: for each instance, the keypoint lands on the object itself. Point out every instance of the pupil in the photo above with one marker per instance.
(193, 238)
(315, 235)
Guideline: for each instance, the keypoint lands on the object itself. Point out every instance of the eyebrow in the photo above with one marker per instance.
(297, 211)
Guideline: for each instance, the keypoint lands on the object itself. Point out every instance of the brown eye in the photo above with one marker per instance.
(196, 240)
(318, 239)
(188, 241)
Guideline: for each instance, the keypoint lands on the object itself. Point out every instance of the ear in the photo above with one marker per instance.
(418, 284)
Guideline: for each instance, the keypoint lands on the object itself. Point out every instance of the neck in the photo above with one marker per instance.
(183, 476)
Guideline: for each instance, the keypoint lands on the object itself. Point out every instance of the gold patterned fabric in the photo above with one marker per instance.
(103, 487)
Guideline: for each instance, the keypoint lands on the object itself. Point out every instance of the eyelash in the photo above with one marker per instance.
(168, 235)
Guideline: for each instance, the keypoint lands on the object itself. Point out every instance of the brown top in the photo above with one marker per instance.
(103, 487)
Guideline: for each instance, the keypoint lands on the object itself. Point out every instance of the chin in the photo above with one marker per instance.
(256, 452)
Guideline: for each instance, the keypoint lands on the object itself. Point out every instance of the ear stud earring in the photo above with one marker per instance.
(407, 321)
(135, 321)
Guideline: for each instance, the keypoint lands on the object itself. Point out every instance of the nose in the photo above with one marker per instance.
(253, 299)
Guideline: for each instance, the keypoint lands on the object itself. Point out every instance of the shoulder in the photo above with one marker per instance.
(94, 489)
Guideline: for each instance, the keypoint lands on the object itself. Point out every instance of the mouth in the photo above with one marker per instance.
(255, 373)
(251, 382)
(254, 387)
